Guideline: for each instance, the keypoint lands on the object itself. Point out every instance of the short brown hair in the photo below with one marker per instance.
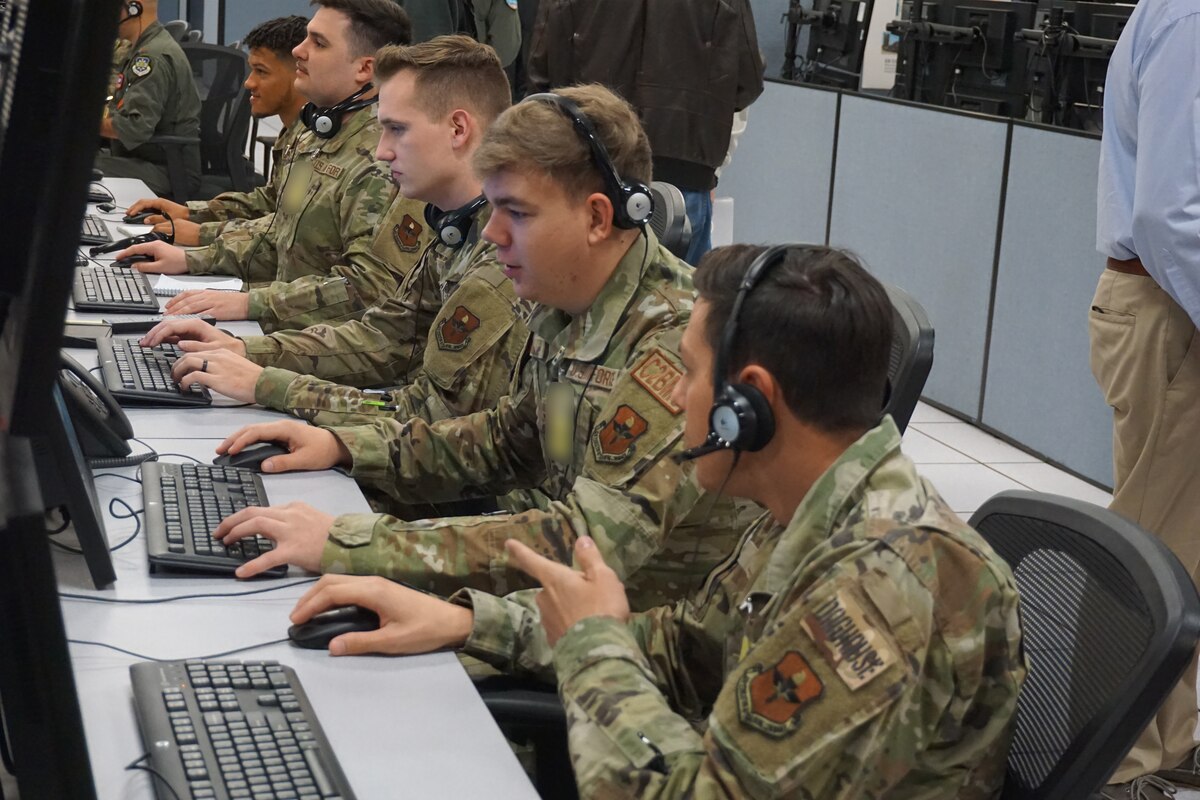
(539, 134)
(451, 72)
(816, 320)
(373, 23)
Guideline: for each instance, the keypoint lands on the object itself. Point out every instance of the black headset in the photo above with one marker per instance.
(740, 418)
(326, 122)
(452, 227)
(632, 202)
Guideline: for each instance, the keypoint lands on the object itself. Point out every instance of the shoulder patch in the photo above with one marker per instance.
(658, 375)
(455, 331)
(771, 698)
(615, 441)
(849, 643)
(407, 234)
(593, 375)
(141, 66)
(323, 167)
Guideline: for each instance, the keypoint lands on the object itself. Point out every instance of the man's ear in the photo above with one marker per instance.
(758, 377)
(463, 125)
(600, 222)
(365, 71)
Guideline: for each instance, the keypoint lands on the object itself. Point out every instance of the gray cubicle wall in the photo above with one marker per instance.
(916, 195)
(241, 16)
(1040, 390)
(780, 171)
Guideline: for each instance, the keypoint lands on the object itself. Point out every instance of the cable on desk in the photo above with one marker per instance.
(135, 460)
(137, 764)
(144, 657)
(133, 514)
(198, 596)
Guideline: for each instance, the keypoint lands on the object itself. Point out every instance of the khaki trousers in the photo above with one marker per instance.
(1145, 357)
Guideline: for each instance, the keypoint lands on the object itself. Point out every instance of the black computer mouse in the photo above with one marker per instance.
(138, 218)
(252, 456)
(318, 632)
(129, 261)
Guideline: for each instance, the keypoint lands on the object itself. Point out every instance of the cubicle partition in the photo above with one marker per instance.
(987, 221)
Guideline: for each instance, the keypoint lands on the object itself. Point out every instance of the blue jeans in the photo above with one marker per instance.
(699, 213)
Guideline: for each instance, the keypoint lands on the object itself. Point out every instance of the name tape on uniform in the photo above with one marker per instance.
(855, 650)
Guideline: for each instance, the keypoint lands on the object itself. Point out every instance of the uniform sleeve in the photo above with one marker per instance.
(235, 205)
(507, 632)
(247, 251)
(140, 108)
(498, 24)
(360, 277)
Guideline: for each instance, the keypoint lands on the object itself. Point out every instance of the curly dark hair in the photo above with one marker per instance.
(279, 35)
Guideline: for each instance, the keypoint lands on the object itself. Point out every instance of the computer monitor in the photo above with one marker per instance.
(58, 55)
(836, 37)
(960, 54)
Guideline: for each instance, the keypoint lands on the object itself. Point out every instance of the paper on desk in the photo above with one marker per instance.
(171, 283)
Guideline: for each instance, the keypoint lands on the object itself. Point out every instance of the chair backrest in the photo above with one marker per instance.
(178, 28)
(224, 111)
(193, 36)
(670, 221)
(1110, 620)
(911, 357)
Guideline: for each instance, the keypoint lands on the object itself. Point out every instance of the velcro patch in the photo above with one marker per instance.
(658, 375)
(770, 699)
(614, 441)
(455, 331)
(324, 167)
(593, 375)
(407, 234)
(849, 643)
(141, 66)
(538, 347)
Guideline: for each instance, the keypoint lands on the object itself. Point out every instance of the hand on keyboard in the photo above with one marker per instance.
(220, 370)
(168, 259)
(193, 330)
(216, 303)
(311, 448)
(298, 530)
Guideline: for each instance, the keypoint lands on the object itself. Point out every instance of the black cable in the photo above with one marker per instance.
(197, 596)
(137, 764)
(184, 455)
(116, 475)
(133, 514)
(6, 754)
(112, 198)
(95, 369)
(210, 656)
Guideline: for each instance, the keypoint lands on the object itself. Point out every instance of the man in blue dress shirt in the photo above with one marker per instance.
(1143, 323)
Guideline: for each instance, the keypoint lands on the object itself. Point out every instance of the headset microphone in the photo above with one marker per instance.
(712, 444)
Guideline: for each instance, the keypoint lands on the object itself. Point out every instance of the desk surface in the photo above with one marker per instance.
(411, 727)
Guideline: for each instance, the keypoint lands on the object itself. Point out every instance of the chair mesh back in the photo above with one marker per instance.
(670, 221)
(911, 357)
(1086, 625)
(224, 124)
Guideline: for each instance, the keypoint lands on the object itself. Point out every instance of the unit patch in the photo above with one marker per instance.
(851, 646)
(658, 375)
(613, 441)
(455, 332)
(770, 700)
(593, 375)
(407, 234)
(141, 66)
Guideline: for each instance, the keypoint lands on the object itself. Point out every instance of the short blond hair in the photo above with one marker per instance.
(451, 72)
(540, 135)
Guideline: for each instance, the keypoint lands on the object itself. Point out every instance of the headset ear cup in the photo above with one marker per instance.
(639, 204)
(134, 8)
(758, 424)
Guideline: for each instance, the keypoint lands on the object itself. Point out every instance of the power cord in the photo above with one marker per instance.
(149, 601)
(208, 657)
(137, 765)
(133, 514)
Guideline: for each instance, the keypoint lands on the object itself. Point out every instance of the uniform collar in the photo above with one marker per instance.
(586, 337)
(351, 127)
(148, 33)
(459, 260)
(825, 508)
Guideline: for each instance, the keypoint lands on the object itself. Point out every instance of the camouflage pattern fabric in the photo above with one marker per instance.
(228, 209)
(120, 55)
(589, 422)
(317, 247)
(870, 648)
(387, 345)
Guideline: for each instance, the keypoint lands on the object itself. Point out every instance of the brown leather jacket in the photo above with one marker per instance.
(685, 65)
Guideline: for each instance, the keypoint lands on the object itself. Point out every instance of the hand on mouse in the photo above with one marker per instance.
(187, 234)
(220, 370)
(298, 530)
(199, 336)
(311, 448)
(176, 210)
(409, 621)
(168, 259)
(215, 303)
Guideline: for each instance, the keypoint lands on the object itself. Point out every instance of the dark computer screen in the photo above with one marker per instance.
(836, 31)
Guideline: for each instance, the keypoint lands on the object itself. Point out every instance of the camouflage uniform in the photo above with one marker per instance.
(155, 95)
(312, 260)
(870, 648)
(469, 356)
(589, 422)
(120, 55)
(227, 210)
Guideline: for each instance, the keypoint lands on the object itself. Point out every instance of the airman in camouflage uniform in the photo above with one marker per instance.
(120, 55)
(154, 95)
(313, 260)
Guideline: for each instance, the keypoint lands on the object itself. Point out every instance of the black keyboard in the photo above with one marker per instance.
(231, 729)
(94, 231)
(103, 288)
(141, 376)
(184, 504)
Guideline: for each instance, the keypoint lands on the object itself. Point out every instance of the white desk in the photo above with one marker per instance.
(400, 727)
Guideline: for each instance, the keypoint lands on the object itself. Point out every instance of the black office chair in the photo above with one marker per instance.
(1110, 620)
(224, 126)
(193, 36)
(911, 357)
(670, 221)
